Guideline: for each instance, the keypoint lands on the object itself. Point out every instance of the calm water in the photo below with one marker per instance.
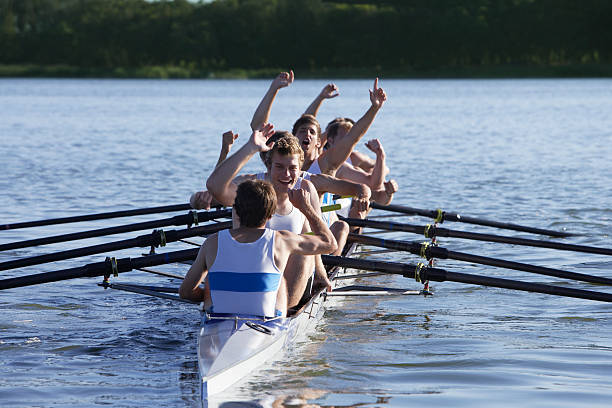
(536, 152)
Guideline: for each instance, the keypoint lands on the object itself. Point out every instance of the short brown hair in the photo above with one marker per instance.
(255, 203)
(307, 119)
(332, 128)
(286, 145)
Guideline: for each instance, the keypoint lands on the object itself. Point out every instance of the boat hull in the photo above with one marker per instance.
(231, 348)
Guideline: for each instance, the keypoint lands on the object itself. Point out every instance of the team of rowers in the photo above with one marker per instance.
(271, 258)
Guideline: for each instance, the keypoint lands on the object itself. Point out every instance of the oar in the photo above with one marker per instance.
(108, 267)
(98, 216)
(156, 238)
(431, 231)
(430, 251)
(191, 218)
(424, 274)
(441, 216)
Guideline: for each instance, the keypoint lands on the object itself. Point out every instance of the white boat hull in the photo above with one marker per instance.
(230, 349)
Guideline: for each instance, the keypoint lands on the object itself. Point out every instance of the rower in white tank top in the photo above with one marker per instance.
(244, 279)
(294, 221)
(328, 198)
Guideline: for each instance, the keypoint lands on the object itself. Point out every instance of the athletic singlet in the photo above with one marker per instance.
(314, 167)
(244, 279)
(294, 221)
(326, 199)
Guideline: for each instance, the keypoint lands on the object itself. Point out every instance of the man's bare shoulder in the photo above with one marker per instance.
(244, 177)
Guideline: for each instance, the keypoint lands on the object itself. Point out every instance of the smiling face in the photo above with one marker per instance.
(309, 139)
(284, 171)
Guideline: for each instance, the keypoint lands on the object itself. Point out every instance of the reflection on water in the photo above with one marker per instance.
(533, 152)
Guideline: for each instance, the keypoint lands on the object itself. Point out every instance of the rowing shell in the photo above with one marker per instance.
(231, 347)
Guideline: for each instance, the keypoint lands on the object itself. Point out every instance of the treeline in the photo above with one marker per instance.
(394, 37)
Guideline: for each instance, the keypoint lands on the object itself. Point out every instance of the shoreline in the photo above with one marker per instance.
(182, 72)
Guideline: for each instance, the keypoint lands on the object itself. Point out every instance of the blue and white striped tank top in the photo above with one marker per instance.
(244, 279)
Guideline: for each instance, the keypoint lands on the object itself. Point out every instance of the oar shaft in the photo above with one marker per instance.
(186, 219)
(527, 287)
(443, 253)
(99, 269)
(434, 231)
(153, 239)
(441, 275)
(449, 216)
(98, 216)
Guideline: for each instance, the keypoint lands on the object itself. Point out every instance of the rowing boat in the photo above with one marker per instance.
(231, 347)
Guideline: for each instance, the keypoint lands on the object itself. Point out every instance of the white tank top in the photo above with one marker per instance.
(326, 199)
(294, 221)
(244, 279)
(314, 167)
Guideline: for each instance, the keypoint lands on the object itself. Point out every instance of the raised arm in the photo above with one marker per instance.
(377, 177)
(331, 159)
(219, 183)
(203, 199)
(262, 113)
(329, 91)
(227, 140)
(385, 195)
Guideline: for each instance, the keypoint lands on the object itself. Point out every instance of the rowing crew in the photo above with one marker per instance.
(241, 266)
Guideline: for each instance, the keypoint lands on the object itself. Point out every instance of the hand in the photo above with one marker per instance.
(391, 187)
(283, 80)
(260, 136)
(377, 96)
(300, 198)
(329, 91)
(375, 147)
(201, 200)
(228, 139)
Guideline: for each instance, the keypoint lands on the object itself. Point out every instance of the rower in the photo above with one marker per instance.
(326, 186)
(285, 159)
(308, 130)
(244, 268)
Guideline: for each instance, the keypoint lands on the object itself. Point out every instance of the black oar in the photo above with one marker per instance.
(156, 238)
(431, 231)
(187, 219)
(424, 274)
(110, 266)
(98, 216)
(430, 251)
(441, 216)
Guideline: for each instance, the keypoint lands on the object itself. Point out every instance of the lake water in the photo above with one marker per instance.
(533, 152)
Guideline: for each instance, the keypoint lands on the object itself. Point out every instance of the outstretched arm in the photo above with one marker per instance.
(339, 152)
(262, 113)
(219, 183)
(329, 91)
(329, 184)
